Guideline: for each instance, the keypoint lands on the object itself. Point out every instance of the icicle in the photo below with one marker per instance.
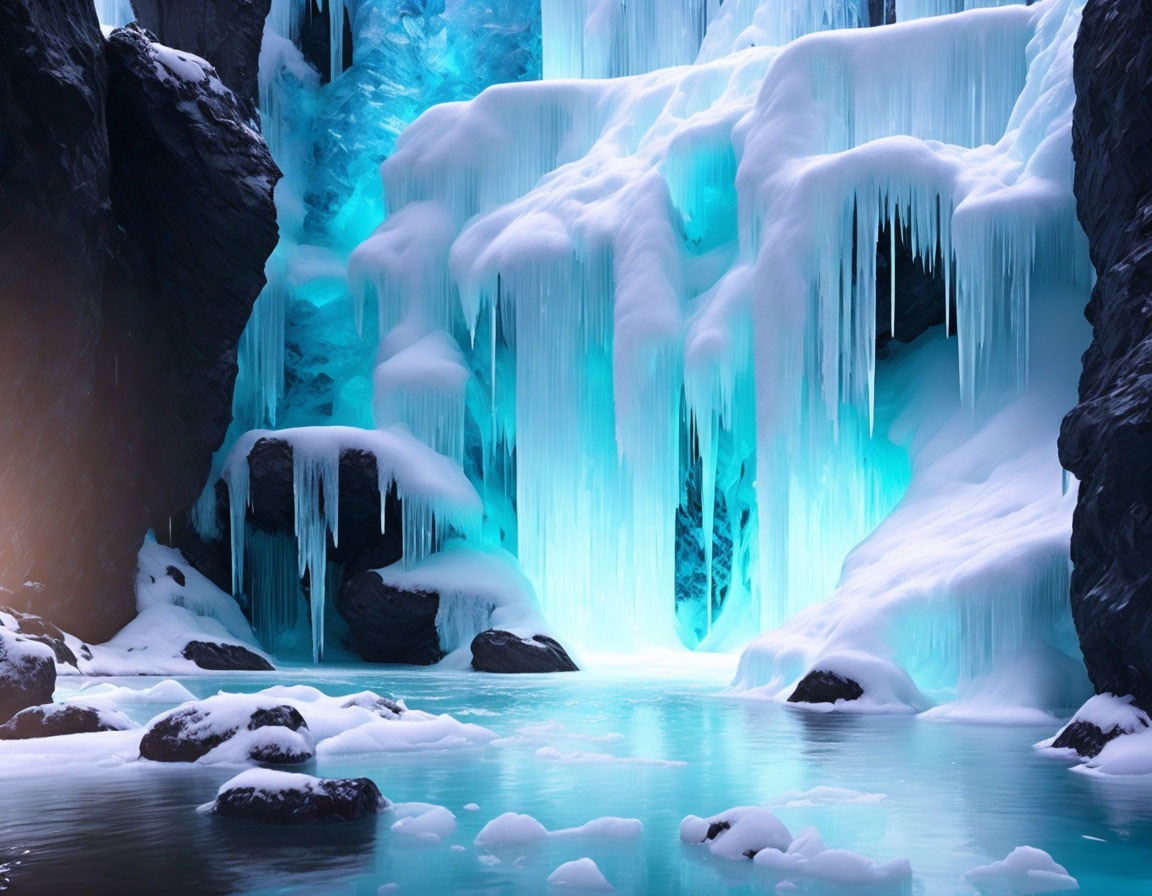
(316, 497)
(236, 475)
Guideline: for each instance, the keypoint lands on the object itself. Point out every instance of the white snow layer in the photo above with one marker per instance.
(623, 249)
(754, 832)
(1025, 870)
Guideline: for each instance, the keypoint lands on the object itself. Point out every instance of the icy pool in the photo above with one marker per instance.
(954, 796)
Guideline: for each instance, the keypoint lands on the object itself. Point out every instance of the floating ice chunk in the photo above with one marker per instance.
(470, 807)
(1026, 870)
(431, 823)
(737, 833)
(754, 833)
(512, 829)
(581, 874)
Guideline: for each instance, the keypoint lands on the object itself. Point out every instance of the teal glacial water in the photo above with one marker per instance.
(955, 796)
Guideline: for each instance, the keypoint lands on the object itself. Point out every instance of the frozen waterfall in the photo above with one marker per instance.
(605, 301)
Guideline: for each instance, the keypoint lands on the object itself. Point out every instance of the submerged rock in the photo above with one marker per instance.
(225, 657)
(272, 797)
(499, 651)
(388, 624)
(273, 733)
(825, 687)
(27, 674)
(56, 719)
(1105, 440)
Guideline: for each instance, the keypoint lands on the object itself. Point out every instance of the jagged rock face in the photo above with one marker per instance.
(135, 218)
(1105, 441)
(225, 32)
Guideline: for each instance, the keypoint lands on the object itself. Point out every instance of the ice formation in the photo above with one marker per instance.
(597, 302)
(513, 829)
(678, 267)
(437, 499)
(1025, 870)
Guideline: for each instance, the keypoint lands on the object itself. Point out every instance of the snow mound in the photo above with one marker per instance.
(1026, 870)
(581, 874)
(751, 832)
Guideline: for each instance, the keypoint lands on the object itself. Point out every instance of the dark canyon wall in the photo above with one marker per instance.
(1107, 440)
(135, 218)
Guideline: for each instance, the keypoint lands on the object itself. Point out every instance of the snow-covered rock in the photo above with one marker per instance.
(752, 832)
(27, 673)
(505, 652)
(275, 797)
(1101, 720)
(54, 719)
(1025, 870)
(35, 628)
(581, 874)
(230, 728)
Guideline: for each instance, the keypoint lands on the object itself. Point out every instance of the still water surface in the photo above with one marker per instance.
(956, 796)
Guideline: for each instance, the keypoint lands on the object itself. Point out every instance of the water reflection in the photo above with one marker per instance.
(954, 796)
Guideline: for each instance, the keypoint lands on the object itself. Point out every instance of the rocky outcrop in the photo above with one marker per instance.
(825, 687)
(1105, 440)
(275, 734)
(33, 628)
(56, 719)
(135, 218)
(388, 624)
(27, 674)
(504, 652)
(225, 657)
(225, 32)
(268, 797)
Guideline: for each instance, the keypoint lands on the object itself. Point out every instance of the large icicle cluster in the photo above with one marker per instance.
(436, 499)
(679, 267)
(303, 362)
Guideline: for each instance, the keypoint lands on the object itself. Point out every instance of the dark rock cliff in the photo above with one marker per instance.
(225, 32)
(135, 218)
(1106, 441)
